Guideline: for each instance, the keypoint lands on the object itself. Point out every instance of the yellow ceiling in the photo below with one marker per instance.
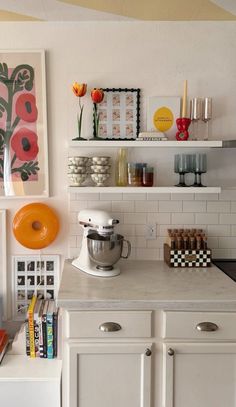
(162, 10)
(10, 16)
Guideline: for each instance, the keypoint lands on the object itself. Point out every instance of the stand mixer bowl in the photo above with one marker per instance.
(106, 250)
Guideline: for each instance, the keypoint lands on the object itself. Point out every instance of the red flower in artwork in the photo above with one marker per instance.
(25, 144)
(26, 107)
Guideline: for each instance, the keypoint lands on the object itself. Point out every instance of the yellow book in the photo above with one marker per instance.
(31, 325)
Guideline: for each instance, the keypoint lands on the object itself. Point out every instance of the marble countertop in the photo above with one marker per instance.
(148, 285)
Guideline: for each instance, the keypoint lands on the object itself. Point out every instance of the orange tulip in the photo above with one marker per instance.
(97, 95)
(79, 89)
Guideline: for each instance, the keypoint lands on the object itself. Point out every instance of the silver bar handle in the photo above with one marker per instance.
(207, 327)
(128, 249)
(110, 327)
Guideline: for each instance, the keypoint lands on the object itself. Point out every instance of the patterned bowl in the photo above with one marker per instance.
(100, 179)
(100, 160)
(75, 180)
(100, 169)
(78, 160)
(74, 169)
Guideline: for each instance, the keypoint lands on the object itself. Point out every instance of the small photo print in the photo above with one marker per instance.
(21, 295)
(50, 265)
(40, 280)
(30, 266)
(102, 130)
(30, 280)
(21, 309)
(129, 100)
(40, 266)
(116, 99)
(50, 294)
(50, 280)
(129, 115)
(21, 280)
(129, 129)
(30, 294)
(116, 115)
(20, 266)
(102, 115)
(116, 130)
(40, 294)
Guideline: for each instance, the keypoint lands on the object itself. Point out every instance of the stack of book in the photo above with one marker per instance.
(41, 329)
(152, 136)
(4, 341)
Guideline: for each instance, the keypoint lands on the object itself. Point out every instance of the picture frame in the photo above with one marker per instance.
(162, 112)
(3, 263)
(119, 114)
(23, 124)
(31, 274)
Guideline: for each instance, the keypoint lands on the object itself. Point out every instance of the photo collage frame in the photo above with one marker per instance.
(32, 274)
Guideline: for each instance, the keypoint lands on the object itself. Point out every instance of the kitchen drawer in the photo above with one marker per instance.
(183, 325)
(87, 324)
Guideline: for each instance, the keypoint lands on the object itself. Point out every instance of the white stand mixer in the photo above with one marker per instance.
(101, 248)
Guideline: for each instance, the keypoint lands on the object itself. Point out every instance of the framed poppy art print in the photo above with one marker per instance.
(23, 124)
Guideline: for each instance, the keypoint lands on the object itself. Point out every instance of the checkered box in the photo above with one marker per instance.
(187, 258)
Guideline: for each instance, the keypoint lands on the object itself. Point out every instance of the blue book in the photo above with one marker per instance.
(50, 312)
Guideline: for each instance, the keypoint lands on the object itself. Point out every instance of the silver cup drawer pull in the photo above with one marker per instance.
(110, 327)
(207, 327)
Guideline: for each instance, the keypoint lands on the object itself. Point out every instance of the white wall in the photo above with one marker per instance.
(156, 57)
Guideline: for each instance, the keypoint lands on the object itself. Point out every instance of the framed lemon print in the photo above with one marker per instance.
(162, 115)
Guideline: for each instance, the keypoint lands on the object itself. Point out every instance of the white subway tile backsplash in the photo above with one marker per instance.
(228, 195)
(185, 218)
(159, 218)
(206, 197)
(216, 214)
(182, 197)
(123, 206)
(233, 207)
(218, 206)
(134, 197)
(194, 206)
(218, 230)
(227, 219)
(135, 218)
(102, 205)
(146, 206)
(76, 206)
(227, 242)
(170, 206)
(111, 197)
(222, 254)
(207, 218)
(158, 197)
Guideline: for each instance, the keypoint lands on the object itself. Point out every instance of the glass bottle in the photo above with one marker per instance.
(121, 168)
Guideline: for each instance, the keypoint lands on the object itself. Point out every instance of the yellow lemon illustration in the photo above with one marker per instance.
(163, 119)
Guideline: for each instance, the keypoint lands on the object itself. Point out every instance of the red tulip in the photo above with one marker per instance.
(97, 95)
(79, 89)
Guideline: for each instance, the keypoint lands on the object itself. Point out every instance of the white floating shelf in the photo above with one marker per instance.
(136, 143)
(147, 190)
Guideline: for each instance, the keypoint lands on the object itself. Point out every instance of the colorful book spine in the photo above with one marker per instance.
(27, 338)
(55, 332)
(31, 326)
(41, 336)
(49, 333)
(44, 329)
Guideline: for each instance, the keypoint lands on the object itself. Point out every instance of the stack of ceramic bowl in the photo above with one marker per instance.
(77, 170)
(100, 170)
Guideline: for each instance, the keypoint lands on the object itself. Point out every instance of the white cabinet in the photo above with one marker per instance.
(199, 375)
(110, 368)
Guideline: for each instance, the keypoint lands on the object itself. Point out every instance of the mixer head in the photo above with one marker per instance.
(100, 221)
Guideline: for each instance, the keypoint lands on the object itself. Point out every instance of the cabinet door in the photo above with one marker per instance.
(199, 375)
(107, 375)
